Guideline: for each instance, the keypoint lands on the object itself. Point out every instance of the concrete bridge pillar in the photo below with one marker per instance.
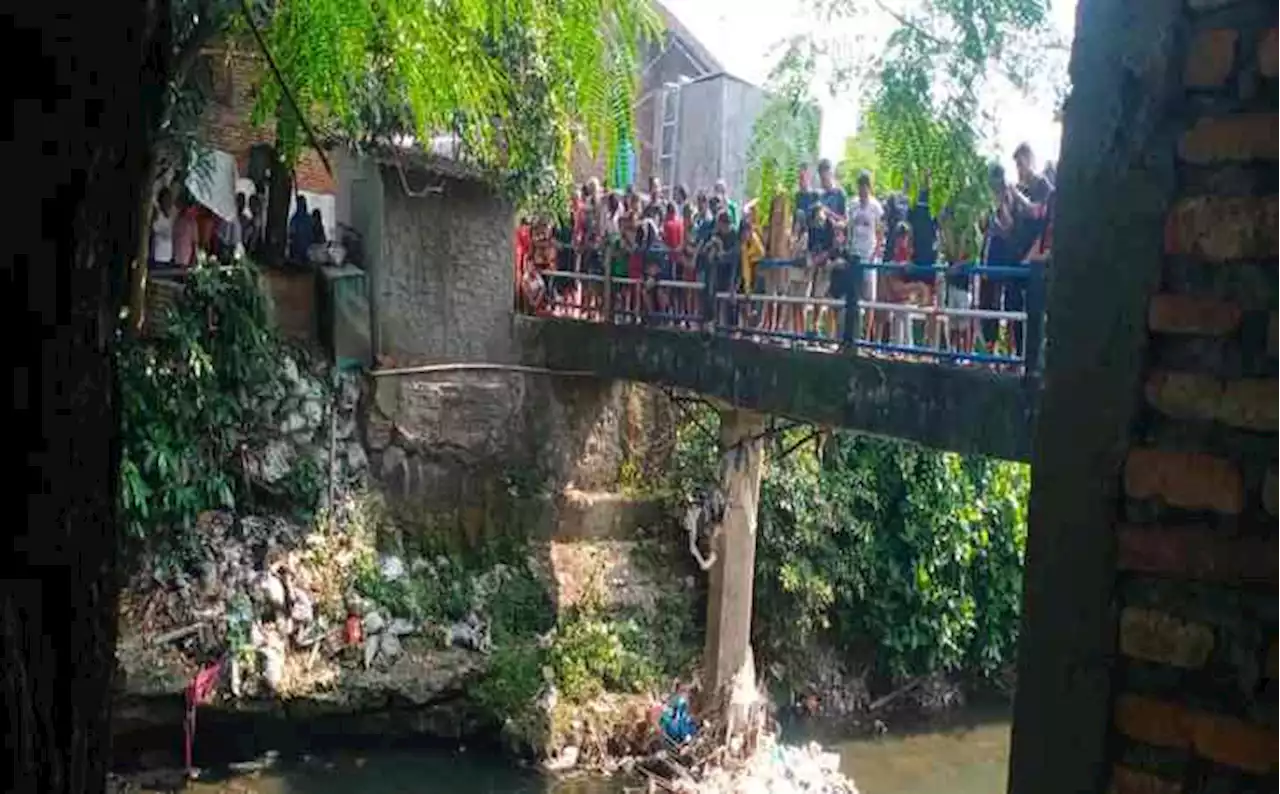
(729, 599)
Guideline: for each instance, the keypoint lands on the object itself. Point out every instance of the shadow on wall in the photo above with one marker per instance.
(481, 455)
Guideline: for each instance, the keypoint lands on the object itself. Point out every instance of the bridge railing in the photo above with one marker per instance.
(716, 304)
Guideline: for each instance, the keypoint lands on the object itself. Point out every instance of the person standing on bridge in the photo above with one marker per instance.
(752, 251)
(835, 202)
(799, 275)
(721, 192)
(866, 237)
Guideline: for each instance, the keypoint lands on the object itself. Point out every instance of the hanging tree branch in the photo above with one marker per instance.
(284, 88)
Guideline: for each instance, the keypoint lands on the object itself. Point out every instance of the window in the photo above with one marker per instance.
(669, 137)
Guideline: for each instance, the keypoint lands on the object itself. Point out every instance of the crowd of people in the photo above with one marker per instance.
(790, 268)
(182, 229)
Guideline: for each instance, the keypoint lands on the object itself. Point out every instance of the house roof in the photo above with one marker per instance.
(724, 75)
(696, 49)
(412, 154)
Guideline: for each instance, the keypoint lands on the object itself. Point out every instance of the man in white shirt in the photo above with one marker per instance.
(865, 229)
(866, 235)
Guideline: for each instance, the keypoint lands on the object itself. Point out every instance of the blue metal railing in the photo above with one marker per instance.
(716, 304)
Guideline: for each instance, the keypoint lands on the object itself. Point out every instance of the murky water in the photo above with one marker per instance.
(959, 760)
(967, 756)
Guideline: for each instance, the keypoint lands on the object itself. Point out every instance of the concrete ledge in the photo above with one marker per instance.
(603, 515)
(966, 410)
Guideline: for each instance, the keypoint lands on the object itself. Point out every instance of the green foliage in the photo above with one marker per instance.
(665, 640)
(188, 408)
(859, 155)
(883, 547)
(517, 81)
(911, 139)
(784, 137)
(589, 655)
(924, 84)
(513, 681)
(508, 594)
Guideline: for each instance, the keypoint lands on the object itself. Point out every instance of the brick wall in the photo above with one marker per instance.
(226, 123)
(1194, 706)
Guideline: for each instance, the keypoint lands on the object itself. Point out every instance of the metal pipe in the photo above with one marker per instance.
(333, 439)
(431, 369)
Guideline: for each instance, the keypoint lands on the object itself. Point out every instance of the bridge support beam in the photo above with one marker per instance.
(728, 646)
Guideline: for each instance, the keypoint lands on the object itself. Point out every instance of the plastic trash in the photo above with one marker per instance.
(676, 723)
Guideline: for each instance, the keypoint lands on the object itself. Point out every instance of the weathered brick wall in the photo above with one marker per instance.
(226, 124)
(1194, 707)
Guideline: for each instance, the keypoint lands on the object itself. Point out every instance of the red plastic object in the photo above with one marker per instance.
(198, 691)
(354, 632)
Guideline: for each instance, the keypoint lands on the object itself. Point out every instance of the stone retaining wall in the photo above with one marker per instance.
(472, 453)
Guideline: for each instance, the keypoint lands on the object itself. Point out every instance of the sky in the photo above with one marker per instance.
(742, 33)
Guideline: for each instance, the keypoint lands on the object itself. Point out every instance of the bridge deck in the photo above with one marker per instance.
(963, 409)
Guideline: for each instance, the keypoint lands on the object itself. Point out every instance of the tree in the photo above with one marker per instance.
(784, 137)
(91, 91)
(859, 155)
(922, 86)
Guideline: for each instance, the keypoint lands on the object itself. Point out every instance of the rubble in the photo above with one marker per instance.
(471, 633)
(779, 769)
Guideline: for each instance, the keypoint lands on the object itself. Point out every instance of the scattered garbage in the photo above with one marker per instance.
(373, 622)
(273, 651)
(676, 723)
(389, 647)
(773, 769)
(471, 633)
(566, 759)
(401, 627)
(271, 590)
(198, 691)
(391, 567)
(353, 632)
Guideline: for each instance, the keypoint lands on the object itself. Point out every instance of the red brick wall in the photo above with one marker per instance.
(226, 124)
(1197, 550)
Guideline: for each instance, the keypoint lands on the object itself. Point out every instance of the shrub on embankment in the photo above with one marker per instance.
(219, 412)
(902, 560)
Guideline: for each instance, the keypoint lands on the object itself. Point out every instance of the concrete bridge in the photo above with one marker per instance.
(971, 410)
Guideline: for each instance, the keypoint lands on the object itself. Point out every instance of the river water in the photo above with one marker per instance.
(968, 755)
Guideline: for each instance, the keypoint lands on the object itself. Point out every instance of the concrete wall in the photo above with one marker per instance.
(472, 453)
(445, 281)
(1147, 659)
(716, 119)
(701, 120)
(742, 105)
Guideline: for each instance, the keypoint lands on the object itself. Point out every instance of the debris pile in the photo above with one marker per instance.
(781, 769)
